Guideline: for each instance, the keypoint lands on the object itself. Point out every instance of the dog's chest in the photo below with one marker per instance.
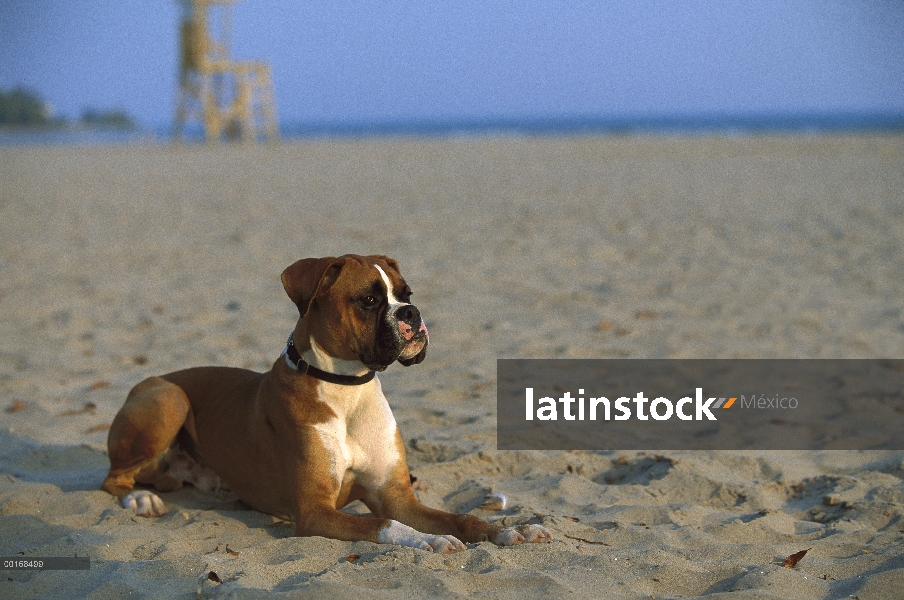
(361, 440)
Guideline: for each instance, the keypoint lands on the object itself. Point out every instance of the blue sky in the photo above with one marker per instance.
(406, 61)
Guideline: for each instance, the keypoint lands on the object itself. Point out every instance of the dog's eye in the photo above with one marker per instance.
(368, 301)
(406, 294)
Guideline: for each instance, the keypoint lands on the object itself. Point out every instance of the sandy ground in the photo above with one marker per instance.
(117, 263)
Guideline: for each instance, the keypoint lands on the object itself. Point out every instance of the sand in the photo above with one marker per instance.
(121, 262)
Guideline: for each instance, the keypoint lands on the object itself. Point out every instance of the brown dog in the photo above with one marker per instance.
(311, 435)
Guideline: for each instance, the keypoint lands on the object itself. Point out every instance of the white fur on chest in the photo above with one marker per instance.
(361, 439)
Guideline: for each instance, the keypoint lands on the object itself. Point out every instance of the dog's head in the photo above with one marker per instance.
(358, 308)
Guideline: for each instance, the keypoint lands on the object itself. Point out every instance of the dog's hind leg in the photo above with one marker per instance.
(141, 433)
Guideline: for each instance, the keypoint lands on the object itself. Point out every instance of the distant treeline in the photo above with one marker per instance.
(21, 108)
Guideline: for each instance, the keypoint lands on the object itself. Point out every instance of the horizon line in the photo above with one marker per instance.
(623, 125)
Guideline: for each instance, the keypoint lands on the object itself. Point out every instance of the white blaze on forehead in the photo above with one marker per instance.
(390, 296)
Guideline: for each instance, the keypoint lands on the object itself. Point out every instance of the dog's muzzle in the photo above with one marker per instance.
(411, 330)
(401, 335)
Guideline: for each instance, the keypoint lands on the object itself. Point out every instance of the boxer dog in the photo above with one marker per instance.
(311, 435)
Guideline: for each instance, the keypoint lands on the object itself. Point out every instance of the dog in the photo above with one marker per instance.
(311, 435)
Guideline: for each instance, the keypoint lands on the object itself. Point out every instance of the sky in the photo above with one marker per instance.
(408, 61)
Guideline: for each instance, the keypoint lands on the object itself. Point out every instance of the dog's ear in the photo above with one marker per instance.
(307, 278)
(391, 262)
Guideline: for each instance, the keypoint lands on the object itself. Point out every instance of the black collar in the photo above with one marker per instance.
(306, 369)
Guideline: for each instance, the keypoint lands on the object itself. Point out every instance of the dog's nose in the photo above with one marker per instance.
(409, 314)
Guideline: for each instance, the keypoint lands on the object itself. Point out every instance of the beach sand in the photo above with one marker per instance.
(121, 262)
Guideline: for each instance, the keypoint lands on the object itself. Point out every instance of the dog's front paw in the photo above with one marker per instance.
(444, 544)
(523, 534)
(403, 535)
(144, 503)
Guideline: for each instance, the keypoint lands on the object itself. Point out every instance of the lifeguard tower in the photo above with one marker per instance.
(231, 99)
